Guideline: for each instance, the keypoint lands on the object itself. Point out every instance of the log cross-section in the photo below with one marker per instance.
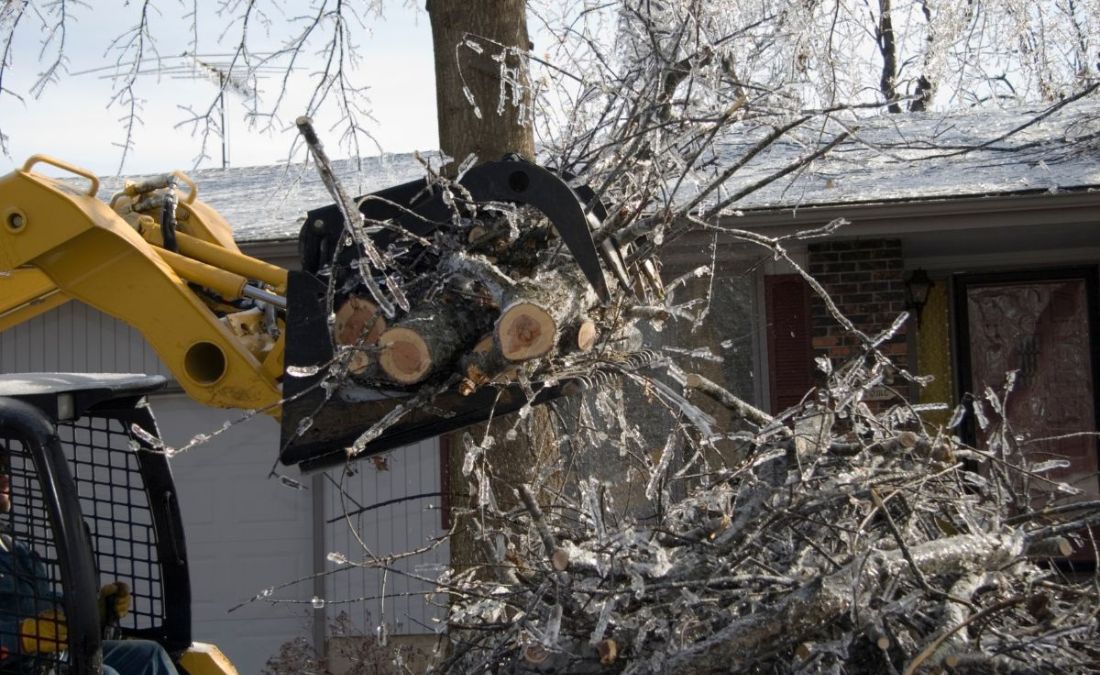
(538, 309)
(427, 339)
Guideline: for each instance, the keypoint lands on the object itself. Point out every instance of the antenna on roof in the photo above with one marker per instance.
(226, 78)
(225, 70)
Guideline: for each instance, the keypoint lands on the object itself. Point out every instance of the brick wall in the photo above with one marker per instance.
(865, 280)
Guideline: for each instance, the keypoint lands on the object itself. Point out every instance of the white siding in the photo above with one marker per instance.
(403, 526)
(78, 339)
(245, 532)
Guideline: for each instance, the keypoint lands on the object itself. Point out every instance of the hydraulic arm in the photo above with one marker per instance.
(57, 244)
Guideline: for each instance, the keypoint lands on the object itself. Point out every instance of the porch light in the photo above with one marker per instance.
(917, 287)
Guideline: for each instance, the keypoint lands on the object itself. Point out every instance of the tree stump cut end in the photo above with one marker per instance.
(405, 355)
(525, 331)
(586, 335)
(358, 323)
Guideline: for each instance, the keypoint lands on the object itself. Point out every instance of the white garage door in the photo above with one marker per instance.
(245, 533)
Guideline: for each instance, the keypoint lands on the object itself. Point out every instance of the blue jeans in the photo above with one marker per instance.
(136, 657)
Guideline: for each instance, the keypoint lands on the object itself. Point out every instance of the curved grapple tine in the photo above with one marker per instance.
(520, 181)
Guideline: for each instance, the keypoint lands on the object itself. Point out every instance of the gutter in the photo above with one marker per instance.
(1077, 205)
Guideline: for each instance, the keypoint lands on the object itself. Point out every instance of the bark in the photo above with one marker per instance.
(494, 25)
(428, 339)
(888, 48)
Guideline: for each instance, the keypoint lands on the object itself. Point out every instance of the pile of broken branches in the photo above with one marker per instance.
(842, 538)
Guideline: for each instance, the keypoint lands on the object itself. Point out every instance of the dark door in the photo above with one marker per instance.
(790, 347)
(1044, 326)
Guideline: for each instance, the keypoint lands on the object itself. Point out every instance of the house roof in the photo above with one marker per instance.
(887, 158)
(264, 203)
(931, 156)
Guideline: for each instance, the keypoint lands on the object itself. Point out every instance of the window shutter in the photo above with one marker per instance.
(790, 347)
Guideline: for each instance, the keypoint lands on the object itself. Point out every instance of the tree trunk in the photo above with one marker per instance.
(887, 45)
(462, 73)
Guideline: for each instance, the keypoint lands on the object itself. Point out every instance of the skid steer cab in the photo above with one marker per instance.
(85, 503)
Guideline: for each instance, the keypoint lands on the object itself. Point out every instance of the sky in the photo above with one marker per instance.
(73, 121)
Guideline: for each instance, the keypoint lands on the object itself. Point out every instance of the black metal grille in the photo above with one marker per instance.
(102, 455)
(30, 569)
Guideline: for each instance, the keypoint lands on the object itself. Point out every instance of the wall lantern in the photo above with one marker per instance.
(917, 287)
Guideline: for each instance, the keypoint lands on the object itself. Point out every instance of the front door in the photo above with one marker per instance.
(1044, 326)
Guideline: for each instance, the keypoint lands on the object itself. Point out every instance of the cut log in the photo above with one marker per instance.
(426, 340)
(586, 335)
(484, 364)
(358, 324)
(581, 336)
(526, 331)
(538, 309)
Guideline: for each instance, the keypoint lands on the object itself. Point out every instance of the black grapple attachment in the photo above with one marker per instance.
(325, 410)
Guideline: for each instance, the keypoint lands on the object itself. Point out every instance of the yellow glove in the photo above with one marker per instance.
(44, 633)
(114, 600)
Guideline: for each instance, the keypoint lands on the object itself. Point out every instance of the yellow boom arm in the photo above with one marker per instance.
(57, 243)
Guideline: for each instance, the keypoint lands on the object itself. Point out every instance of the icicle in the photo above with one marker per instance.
(890, 332)
(197, 439)
(701, 420)
(151, 440)
(486, 499)
(979, 414)
(473, 451)
(957, 416)
(553, 627)
(466, 165)
(337, 558)
(930, 407)
(994, 401)
(709, 296)
(1050, 465)
(303, 371)
(697, 273)
(430, 568)
(602, 622)
(637, 584)
(590, 495)
(289, 482)
(1067, 489)
(303, 425)
(671, 445)
(330, 385)
(699, 353)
